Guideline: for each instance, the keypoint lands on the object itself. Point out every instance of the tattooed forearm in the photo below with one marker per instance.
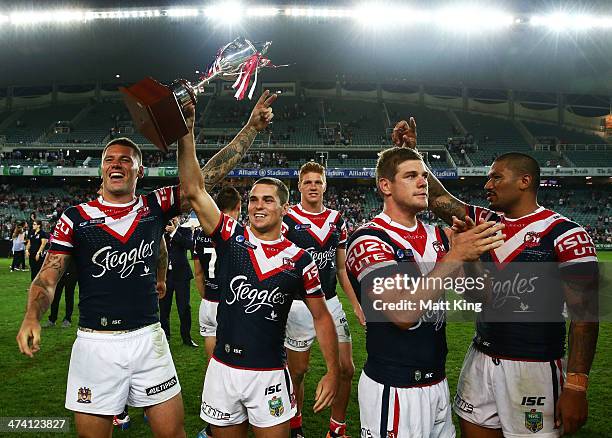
(39, 299)
(54, 264)
(443, 204)
(582, 345)
(42, 288)
(227, 158)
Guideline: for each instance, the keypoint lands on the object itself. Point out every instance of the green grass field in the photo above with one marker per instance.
(36, 387)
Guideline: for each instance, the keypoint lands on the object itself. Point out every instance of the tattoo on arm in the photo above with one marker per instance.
(228, 157)
(582, 298)
(443, 204)
(582, 345)
(43, 286)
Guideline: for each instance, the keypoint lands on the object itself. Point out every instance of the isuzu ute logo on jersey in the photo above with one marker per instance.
(123, 262)
(322, 258)
(252, 298)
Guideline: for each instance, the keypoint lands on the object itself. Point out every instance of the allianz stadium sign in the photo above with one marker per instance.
(364, 172)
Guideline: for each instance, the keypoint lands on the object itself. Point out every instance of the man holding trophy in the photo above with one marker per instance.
(121, 355)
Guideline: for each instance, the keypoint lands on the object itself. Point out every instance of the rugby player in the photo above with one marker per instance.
(403, 390)
(513, 382)
(247, 379)
(208, 270)
(120, 354)
(322, 232)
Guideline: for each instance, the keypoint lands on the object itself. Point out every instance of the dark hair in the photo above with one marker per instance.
(281, 189)
(124, 141)
(228, 199)
(522, 164)
(38, 222)
(389, 159)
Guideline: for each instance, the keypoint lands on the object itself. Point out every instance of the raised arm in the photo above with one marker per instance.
(227, 158)
(40, 297)
(193, 190)
(441, 202)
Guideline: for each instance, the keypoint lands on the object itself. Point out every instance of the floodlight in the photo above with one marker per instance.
(182, 12)
(262, 12)
(228, 12)
(472, 18)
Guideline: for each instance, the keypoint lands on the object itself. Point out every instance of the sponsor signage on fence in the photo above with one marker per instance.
(544, 171)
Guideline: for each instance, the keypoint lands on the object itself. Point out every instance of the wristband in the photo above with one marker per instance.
(577, 381)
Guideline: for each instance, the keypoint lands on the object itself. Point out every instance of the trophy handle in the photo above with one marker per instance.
(185, 93)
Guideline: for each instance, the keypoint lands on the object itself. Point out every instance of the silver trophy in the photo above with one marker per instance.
(157, 110)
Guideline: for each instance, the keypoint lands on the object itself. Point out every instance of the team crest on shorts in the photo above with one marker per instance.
(534, 421)
(84, 395)
(417, 375)
(276, 406)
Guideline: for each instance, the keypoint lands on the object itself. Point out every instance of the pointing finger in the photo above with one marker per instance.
(263, 97)
(270, 100)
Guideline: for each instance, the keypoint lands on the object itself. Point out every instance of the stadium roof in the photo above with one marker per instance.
(521, 57)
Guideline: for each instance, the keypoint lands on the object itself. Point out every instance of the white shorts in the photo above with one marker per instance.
(208, 318)
(233, 395)
(300, 332)
(109, 370)
(388, 412)
(518, 397)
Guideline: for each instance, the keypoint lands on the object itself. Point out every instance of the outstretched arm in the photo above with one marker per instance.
(441, 202)
(40, 296)
(193, 190)
(229, 157)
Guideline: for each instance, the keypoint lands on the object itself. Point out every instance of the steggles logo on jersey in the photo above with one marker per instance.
(299, 227)
(322, 258)
(511, 289)
(253, 298)
(122, 262)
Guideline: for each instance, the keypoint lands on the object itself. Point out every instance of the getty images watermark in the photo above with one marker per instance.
(405, 284)
(491, 292)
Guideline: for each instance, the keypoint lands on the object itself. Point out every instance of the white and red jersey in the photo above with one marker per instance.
(116, 247)
(540, 249)
(261, 280)
(399, 357)
(321, 234)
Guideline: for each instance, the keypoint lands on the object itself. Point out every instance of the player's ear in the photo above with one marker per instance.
(285, 209)
(384, 185)
(140, 173)
(525, 182)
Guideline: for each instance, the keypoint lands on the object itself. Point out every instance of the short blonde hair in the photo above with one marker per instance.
(312, 166)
